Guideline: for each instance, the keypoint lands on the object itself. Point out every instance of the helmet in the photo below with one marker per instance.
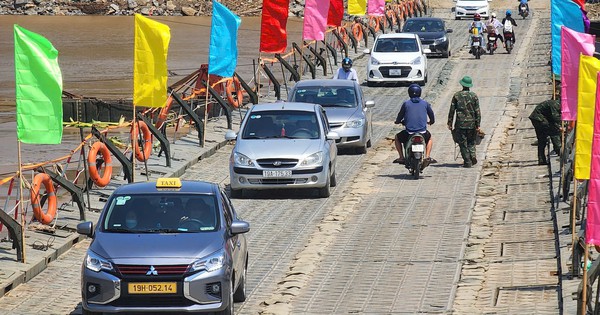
(508, 13)
(346, 64)
(414, 90)
(494, 14)
(477, 17)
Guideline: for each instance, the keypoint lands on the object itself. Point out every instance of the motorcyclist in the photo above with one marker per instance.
(508, 22)
(526, 3)
(476, 29)
(346, 72)
(413, 115)
(494, 26)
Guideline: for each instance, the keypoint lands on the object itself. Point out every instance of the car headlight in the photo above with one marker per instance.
(213, 262)
(374, 61)
(357, 123)
(440, 40)
(96, 263)
(242, 160)
(460, 7)
(313, 159)
(416, 61)
(483, 7)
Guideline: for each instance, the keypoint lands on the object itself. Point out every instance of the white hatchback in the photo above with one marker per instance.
(397, 57)
(468, 8)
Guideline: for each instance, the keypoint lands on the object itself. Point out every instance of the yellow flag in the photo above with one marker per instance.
(150, 62)
(357, 7)
(586, 105)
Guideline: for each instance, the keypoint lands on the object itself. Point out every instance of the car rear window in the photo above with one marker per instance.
(396, 45)
(290, 124)
(161, 213)
(423, 26)
(331, 96)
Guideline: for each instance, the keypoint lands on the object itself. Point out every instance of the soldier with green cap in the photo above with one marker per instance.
(546, 120)
(465, 105)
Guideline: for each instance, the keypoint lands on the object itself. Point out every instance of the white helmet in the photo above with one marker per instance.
(493, 14)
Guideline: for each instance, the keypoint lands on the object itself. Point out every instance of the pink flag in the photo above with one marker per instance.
(572, 44)
(376, 7)
(592, 229)
(315, 19)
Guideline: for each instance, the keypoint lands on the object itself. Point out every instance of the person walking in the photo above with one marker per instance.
(465, 104)
(546, 120)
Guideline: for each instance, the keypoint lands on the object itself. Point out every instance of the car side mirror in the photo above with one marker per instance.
(86, 228)
(367, 51)
(230, 135)
(239, 227)
(426, 51)
(449, 30)
(332, 135)
(369, 104)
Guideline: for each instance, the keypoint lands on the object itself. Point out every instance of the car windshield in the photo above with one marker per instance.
(423, 26)
(336, 96)
(161, 213)
(281, 124)
(396, 45)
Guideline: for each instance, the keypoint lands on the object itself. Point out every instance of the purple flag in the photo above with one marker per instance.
(376, 7)
(572, 44)
(315, 19)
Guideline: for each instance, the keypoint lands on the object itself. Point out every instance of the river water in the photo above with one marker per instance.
(96, 60)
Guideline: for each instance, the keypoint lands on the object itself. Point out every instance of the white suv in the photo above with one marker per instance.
(468, 8)
(397, 57)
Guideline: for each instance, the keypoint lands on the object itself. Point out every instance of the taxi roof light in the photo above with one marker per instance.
(168, 183)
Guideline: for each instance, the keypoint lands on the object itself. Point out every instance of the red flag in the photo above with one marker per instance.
(273, 33)
(336, 13)
(581, 3)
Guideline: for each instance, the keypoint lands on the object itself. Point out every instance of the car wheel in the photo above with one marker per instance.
(236, 193)
(456, 18)
(369, 143)
(362, 149)
(446, 54)
(86, 312)
(240, 293)
(371, 84)
(325, 191)
(229, 309)
(332, 180)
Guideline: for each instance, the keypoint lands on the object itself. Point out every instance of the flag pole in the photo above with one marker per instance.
(133, 145)
(206, 110)
(260, 63)
(573, 236)
(23, 219)
(584, 293)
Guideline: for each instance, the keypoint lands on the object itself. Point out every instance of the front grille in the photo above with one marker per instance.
(152, 301)
(405, 70)
(335, 125)
(272, 181)
(427, 42)
(141, 270)
(277, 163)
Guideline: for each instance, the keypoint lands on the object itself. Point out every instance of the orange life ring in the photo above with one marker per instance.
(343, 35)
(39, 180)
(140, 155)
(357, 31)
(100, 181)
(234, 88)
(391, 14)
(374, 23)
(164, 112)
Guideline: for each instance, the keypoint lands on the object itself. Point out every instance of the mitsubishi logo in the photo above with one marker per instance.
(152, 272)
(277, 163)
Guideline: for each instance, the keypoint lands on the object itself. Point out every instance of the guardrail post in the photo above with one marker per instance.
(320, 59)
(164, 142)
(197, 121)
(127, 165)
(276, 84)
(332, 51)
(225, 105)
(310, 64)
(76, 192)
(353, 41)
(292, 70)
(251, 93)
(341, 41)
(14, 230)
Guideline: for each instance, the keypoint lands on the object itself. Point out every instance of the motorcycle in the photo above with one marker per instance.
(508, 41)
(476, 48)
(523, 11)
(414, 152)
(491, 44)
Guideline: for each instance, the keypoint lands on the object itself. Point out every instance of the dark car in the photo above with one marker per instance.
(432, 32)
(169, 246)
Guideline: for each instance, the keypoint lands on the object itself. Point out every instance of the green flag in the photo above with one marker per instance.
(38, 83)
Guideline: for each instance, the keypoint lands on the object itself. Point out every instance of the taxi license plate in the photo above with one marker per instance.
(152, 287)
(417, 148)
(395, 72)
(277, 174)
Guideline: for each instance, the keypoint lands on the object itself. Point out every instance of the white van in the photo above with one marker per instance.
(468, 8)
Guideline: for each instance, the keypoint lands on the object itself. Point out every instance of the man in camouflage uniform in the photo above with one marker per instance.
(468, 119)
(546, 122)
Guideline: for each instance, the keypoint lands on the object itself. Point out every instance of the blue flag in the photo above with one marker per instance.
(567, 13)
(222, 52)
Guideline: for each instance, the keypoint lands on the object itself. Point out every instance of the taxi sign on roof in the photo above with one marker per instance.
(168, 183)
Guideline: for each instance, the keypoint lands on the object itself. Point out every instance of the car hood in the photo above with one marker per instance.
(178, 248)
(278, 148)
(430, 35)
(471, 3)
(405, 57)
(340, 114)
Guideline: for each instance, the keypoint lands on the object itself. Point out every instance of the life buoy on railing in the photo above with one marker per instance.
(100, 181)
(164, 112)
(374, 23)
(141, 155)
(39, 180)
(391, 15)
(343, 35)
(233, 88)
(357, 31)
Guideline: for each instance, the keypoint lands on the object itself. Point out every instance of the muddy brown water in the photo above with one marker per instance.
(96, 60)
